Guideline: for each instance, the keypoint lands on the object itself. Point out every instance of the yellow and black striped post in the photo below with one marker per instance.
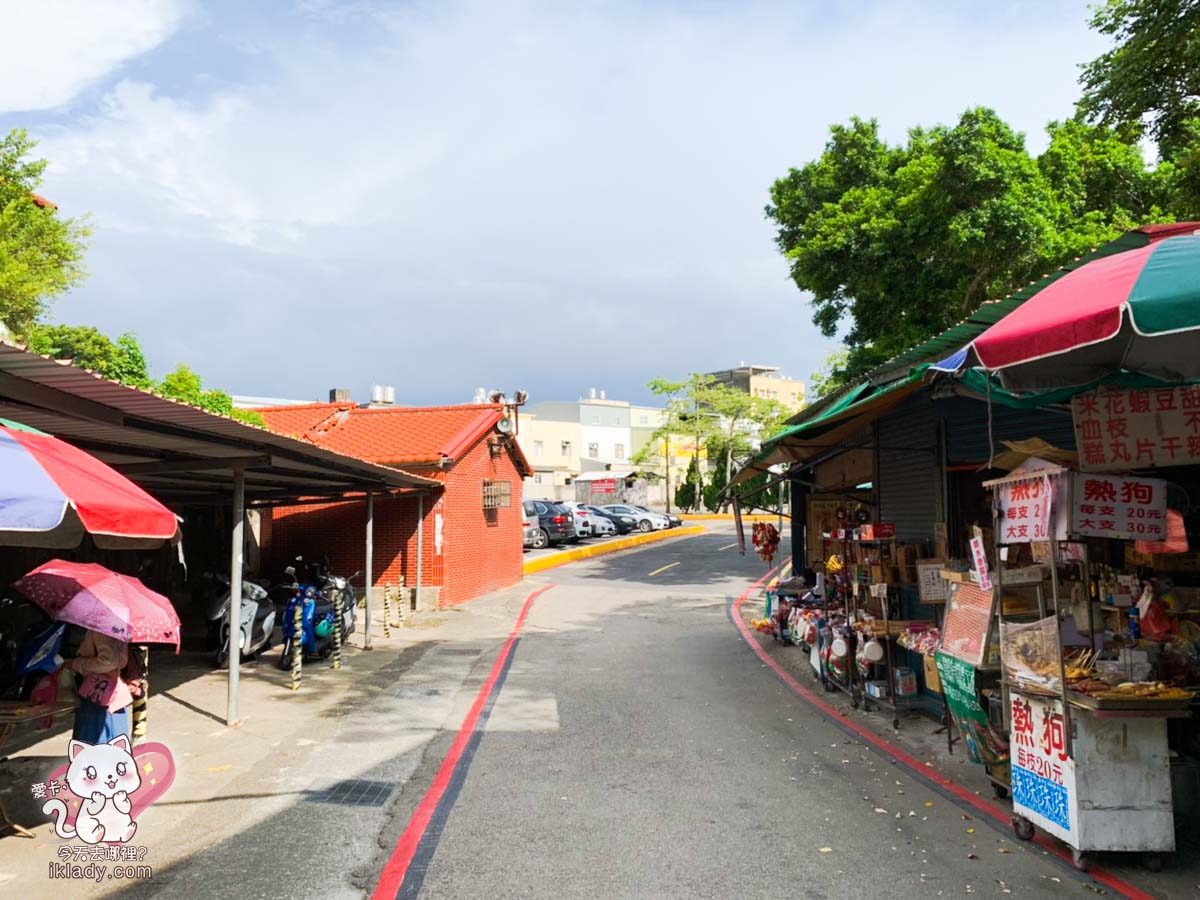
(387, 592)
(297, 642)
(401, 602)
(337, 628)
(139, 713)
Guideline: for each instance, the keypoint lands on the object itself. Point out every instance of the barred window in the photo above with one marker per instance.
(497, 494)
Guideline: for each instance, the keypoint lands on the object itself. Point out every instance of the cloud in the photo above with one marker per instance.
(54, 49)
(507, 194)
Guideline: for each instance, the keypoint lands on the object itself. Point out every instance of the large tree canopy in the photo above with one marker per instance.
(1151, 77)
(41, 253)
(900, 242)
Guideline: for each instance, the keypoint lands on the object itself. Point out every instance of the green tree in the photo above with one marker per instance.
(41, 252)
(121, 360)
(1151, 78)
(184, 384)
(713, 499)
(904, 241)
(831, 377)
(687, 494)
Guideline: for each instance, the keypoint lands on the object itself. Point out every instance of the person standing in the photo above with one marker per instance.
(104, 697)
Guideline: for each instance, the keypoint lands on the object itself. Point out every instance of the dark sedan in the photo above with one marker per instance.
(554, 522)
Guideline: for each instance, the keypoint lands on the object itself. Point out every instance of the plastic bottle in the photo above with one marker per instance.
(1135, 624)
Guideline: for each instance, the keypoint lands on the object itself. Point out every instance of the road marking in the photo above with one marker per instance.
(727, 546)
(664, 568)
(896, 755)
(392, 878)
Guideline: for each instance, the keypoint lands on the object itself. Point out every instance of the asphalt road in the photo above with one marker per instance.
(637, 748)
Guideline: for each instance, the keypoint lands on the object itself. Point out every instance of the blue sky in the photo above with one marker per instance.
(444, 195)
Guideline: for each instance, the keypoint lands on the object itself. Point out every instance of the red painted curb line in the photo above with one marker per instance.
(930, 774)
(392, 875)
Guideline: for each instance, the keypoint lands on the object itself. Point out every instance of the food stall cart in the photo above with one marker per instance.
(1089, 757)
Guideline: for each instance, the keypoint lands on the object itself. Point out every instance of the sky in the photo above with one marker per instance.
(440, 196)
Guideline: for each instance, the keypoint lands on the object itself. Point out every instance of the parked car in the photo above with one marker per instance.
(597, 522)
(621, 524)
(646, 521)
(554, 521)
(581, 517)
(673, 520)
(532, 535)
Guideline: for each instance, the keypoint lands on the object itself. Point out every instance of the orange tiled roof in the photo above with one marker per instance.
(401, 435)
(297, 421)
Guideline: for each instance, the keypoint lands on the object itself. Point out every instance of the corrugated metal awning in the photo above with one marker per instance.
(177, 452)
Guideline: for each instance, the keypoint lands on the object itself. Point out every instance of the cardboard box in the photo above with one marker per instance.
(933, 681)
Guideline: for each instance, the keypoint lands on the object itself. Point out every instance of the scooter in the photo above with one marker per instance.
(256, 621)
(317, 615)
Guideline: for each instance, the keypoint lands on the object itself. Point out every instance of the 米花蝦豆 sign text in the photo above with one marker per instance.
(1137, 428)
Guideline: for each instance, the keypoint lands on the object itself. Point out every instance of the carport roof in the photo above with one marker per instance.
(177, 452)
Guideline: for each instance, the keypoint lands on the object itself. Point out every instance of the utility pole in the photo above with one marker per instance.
(667, 465)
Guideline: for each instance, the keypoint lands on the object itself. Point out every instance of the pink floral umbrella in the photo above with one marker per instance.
(100, 600)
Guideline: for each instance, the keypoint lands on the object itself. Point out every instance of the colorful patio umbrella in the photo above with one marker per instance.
(101, 600)
(1138, 310)
(52, 492)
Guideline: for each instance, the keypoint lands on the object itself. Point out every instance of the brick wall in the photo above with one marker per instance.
(340, 530)
(482, 549)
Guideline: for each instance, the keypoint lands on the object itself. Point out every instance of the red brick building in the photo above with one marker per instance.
(471, 527)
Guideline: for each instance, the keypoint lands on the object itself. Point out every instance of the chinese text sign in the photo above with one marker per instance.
(1144, 428)
(1125, 508)
(1025, 510)
(1043, 773)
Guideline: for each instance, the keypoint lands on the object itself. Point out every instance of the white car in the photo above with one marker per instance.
(583, 519)
(646, 521)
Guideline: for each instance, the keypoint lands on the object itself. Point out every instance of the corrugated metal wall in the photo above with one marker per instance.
(909, 482)
(967, 428)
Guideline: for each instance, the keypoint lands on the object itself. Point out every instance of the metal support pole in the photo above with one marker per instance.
(420, 547)
(237, 545)
(370, 563)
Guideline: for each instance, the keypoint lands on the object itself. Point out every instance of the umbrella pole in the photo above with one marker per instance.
(235, 592)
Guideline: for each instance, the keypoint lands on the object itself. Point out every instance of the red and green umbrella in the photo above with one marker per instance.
(1138, 311)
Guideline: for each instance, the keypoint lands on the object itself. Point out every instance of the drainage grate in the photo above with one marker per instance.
(354, 792)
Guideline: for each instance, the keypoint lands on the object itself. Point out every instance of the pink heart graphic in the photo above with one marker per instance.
(156, 766)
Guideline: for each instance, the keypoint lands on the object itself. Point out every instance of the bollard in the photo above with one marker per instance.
(139, 713)
(297, 642)
(337, 628)
(401, 602)
(387, 590)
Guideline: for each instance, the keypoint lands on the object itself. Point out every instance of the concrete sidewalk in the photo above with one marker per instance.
(288, 747)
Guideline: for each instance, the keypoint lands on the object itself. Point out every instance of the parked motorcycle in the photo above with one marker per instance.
(317, 616)
(30, 647)
(256, 620)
